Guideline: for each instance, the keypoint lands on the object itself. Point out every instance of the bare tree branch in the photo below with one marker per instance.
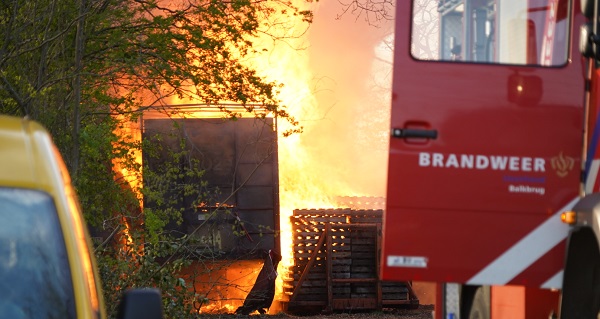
(372, 11)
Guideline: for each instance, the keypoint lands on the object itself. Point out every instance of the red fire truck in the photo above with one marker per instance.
(493, 188)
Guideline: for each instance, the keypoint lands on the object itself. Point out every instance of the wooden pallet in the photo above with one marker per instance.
(336, 263)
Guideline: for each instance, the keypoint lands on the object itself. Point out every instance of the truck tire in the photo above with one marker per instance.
(581, 280)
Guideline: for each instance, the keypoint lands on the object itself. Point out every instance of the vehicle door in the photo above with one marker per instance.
(486, 142)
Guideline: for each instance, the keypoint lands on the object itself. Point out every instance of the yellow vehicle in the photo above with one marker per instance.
(47, 267)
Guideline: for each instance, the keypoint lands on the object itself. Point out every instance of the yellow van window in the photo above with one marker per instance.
(35, 279)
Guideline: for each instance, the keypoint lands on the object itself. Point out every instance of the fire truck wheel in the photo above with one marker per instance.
(581, 280)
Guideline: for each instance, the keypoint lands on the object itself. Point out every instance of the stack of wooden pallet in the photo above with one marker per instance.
(336, 263)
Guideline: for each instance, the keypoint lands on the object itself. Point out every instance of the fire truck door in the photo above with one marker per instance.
(486, 141)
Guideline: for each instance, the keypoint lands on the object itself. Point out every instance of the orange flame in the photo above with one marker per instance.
(336, 80)
(339, 90)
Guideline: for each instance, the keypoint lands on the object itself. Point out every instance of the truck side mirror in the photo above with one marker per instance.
(589, 41)
(586, 46)
(141, 304)
(587, 8)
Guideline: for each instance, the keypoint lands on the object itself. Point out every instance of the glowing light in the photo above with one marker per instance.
(569, 217)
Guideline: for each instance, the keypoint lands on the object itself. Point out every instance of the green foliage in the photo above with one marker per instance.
(124, 268)
(168, 185)
(87, 86)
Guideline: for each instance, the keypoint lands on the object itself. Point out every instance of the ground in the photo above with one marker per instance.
(423, 312)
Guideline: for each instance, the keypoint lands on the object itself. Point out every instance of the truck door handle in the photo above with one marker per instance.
(414, 133)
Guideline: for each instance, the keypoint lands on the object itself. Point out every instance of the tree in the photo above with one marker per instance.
(374, 12)
(86, 71)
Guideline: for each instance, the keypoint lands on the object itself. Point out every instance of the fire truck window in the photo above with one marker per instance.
(518, 32)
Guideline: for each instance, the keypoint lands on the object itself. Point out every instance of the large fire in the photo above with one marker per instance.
(336, 78)
(337, 86)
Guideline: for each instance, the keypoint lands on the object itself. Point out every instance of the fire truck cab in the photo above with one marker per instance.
(493, 161)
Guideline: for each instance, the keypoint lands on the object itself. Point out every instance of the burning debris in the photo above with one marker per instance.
(336, 263)
(262, 293)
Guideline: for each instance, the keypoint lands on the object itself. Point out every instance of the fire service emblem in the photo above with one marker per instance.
(562, 164)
